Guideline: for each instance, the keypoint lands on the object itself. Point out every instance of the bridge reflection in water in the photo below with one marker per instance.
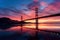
(46, 31)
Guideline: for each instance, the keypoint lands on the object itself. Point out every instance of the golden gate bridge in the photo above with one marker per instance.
(36, 8)
(36, 21)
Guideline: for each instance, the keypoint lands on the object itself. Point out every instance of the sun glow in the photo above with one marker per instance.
(42, 21)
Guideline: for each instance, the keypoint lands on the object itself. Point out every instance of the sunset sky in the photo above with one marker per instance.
(24, 30)
(15, 8)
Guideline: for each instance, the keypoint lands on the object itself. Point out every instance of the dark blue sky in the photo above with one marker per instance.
(17, 3)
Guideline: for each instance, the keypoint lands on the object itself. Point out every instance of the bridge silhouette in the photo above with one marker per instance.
(36, 22)
(22, 22)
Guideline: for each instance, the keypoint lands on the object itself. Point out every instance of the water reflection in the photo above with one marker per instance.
(29, 30)
(43, 26)
(29, 27)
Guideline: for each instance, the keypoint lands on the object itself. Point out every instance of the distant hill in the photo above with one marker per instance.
(7, 23)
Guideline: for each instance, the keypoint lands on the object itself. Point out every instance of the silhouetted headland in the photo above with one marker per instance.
(7, 23)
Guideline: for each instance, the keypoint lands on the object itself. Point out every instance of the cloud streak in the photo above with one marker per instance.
(46, 8)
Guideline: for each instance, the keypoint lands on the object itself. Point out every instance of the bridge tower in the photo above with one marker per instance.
(21, 24)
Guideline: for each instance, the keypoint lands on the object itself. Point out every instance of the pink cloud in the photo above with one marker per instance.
(43, 4)
(52, 8)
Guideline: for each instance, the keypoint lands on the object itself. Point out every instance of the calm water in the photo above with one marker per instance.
(52, 27)
(29, 30)
(48, 27)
